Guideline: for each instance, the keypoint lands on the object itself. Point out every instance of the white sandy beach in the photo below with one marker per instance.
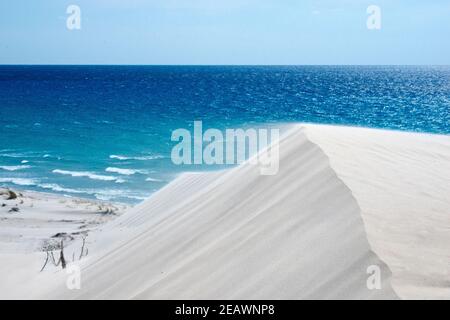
(344, 199)
(31, 219)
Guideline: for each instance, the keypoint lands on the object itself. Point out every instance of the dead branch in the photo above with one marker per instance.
(82, 248)
(61, 256)
(46, 260)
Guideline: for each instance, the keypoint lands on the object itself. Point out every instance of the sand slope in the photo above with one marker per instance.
(401, 181)
(343, 200)
(238, 235)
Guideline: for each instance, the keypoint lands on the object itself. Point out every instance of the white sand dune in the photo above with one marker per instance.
(344, 199)
(401, 181)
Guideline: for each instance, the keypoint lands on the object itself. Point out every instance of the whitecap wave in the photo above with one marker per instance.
(14, 168)
(26, 154)
(139, 158)
(153, 179)
(58, 188)
(85, 174)
(20, 181)
(100, 194)
(126, 172)
(137, 197)
(113, 156)
(47, 156)
(111, 194)
(13, 155)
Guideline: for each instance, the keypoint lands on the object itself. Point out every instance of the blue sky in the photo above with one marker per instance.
(224, 32)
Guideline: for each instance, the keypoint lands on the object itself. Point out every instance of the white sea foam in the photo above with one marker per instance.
(137, 197)
(153, 179)
(100, 194)
(24, 161)
(139, 158)
(46, 156)
(85, 174)
(9, 153)
(14, 168)
(118, 157)
(58, 188)
(111, 194)
(13, 155)
(126, 172)
(20, 181)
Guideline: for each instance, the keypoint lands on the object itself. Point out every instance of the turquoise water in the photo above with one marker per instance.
(104, 131)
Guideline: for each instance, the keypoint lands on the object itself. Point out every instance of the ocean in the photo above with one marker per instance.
(104, 132)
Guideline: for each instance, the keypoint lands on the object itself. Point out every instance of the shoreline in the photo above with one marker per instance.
(56, 194)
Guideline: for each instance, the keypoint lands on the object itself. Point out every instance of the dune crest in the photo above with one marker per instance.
(236, 234)
(401, 182)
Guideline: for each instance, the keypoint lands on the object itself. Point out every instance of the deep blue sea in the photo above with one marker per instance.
(104, 131)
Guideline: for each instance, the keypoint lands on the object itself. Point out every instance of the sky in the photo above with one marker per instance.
(237, 32)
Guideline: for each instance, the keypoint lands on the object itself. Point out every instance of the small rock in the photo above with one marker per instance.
(10, 195)
(15, 209)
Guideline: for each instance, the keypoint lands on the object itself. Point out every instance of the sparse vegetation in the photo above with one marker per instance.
(52, 245)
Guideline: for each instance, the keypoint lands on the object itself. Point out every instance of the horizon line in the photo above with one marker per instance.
(222, 65)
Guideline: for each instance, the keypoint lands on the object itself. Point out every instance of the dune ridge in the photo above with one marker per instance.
(345, 199)
(401, 182)
(236, 234)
